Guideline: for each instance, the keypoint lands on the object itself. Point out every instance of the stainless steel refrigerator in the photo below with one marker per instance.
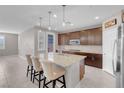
(118, 57)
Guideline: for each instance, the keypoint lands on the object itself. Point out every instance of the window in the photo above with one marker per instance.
(2, 42)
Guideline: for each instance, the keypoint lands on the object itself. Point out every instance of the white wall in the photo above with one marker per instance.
(28, 41)
(11, 44)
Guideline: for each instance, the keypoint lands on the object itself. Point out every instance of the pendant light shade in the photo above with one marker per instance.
(64, 23)
(40, 23)
(49, 27)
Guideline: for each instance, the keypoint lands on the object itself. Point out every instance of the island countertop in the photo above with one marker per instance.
(63, 60)
(73, 64)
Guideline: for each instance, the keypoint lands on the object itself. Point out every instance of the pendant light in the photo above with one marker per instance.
(49, 27)
(43, 39)
(64, 23)
(40, 22)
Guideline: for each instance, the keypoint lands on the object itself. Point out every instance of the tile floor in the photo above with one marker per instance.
(13, 75)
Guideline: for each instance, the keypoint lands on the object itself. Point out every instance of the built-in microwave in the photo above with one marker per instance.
(74, 42)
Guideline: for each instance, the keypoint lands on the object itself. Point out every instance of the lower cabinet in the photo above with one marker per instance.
(94, 60)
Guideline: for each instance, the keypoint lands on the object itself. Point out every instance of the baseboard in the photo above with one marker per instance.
(109, 72)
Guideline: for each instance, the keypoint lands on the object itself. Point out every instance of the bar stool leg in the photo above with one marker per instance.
(27, 71)
(33, 76)
(44, 82)
(54, 83)
(64, 81)
(31, 72)
(39, 78)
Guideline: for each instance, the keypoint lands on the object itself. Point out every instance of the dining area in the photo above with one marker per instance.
(55, 70)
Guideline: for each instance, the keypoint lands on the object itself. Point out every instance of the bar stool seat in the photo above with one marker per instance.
(53, 73)
(30, 65)
(38, 70)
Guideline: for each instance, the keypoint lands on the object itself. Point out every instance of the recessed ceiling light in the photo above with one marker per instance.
(55, 16)
(71, 24)
(97, 17)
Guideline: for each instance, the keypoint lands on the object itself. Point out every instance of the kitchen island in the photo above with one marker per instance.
(73, 64)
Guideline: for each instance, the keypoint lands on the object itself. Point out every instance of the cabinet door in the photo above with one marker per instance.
(95, 36)
(98, 36)
(41, 41)
(66, 38)
(63, 39)
(59, 39)
(90, 37)
(84, 37)
(74, 35)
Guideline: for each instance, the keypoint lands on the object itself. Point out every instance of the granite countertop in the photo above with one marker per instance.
(63, 60)
(84, 51)
(83, 48)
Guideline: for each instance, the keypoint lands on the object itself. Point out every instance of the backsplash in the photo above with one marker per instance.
(87, 48)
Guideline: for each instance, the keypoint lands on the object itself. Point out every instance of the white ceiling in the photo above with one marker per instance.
(16, 19)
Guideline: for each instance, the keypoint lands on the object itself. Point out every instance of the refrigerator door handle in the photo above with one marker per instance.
(118, 66)
(113, 54)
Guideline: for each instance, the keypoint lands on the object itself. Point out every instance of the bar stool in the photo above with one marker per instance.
(53, 73)
(38, 71)
(30, 66)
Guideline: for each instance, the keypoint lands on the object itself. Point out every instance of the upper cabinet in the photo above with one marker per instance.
(83, 37)
(98, 36)
(74, 35)
(63, 39)
(95, 36)
(91, 36)
(87, 37)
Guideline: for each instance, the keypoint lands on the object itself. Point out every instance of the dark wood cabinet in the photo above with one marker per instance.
(87, 37)
(63, 39)
(91, 36)
(94, 60)
(84, 37)
(98, 36)
(95, 36)
(74, 35)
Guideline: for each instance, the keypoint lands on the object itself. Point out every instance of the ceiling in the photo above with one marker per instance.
(19, 18)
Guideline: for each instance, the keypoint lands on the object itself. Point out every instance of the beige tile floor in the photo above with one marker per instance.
(13, 75)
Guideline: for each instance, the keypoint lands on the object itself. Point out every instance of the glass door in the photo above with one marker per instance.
(50, 43)
(46, 43)
(41, 44)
